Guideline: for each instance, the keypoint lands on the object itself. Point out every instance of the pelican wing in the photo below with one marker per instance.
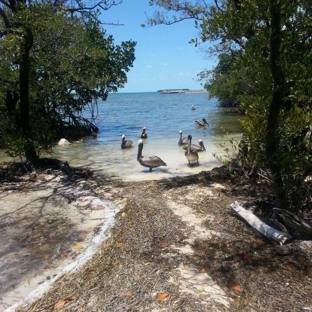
(194, 147)
(152, 161)
(128, 143)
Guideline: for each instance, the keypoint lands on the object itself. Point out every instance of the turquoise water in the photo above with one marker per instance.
(163, 115)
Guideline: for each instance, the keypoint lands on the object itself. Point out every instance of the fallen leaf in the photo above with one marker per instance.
(59, 304)
(234, 287)
(46, 257)
(119, 245)
(288, 267)
(147, 263)
(82, 235)
(77, 247)
(144, 216)
(202, 296)
(63, 255)
(128, 293)
(162, 296)
(164, 244)
(202, 270)
(71, 298)
(186, 267)
(259, 241)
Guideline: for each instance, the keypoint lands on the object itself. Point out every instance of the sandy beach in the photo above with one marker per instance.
(83, 243)
(49, 222)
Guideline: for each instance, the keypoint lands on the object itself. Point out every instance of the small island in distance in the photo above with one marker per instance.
(174, 91)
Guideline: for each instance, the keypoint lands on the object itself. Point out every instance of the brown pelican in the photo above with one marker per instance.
(202, 123)
(125, 143)
(197, 148)
(182, 141)
(143, 134)
(150, 161)
(190, 154)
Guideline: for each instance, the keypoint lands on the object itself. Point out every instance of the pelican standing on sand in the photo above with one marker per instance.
(190, 154)
(197, 148)
(150, 161)
(202, 123)
(182, 141)
(143, 134)
(125, 143)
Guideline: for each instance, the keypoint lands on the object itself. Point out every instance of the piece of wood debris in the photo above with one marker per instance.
(264, 229)
(293, 221)
(284, 250)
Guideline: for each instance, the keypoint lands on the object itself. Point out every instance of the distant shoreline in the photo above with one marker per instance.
(175, 91)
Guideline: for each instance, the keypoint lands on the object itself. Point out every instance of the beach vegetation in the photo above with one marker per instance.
(56, 61)
(264, 53)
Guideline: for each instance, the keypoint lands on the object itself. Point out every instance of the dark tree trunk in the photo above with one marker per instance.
(29, 148)
(272, 137)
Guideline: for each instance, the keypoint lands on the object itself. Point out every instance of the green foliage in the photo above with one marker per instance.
(53, 64)
(264, 50)
(223, 82)
(230, 147)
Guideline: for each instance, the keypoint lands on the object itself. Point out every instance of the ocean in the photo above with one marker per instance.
(163, 115)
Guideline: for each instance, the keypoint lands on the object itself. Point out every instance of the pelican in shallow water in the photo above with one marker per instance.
(143, 134)
(190, 154)
(182, 141)
(197, 148)
(202, 123)
(125, 143)
(150, 161)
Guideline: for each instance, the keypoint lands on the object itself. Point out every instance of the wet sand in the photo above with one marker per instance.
(43, 234)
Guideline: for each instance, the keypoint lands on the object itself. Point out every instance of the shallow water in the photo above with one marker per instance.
(163, 115)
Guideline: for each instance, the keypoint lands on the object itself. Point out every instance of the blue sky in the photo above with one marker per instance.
(164, 57)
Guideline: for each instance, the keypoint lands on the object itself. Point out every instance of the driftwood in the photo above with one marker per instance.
(295, 222)
(305, 246)
(258, 225)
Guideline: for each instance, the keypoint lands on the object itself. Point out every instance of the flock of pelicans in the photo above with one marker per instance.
(152, 161)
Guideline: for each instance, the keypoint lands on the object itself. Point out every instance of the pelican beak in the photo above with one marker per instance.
(201, 143)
